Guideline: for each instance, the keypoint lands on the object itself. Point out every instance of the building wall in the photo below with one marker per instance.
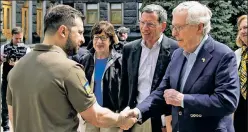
(130, 13)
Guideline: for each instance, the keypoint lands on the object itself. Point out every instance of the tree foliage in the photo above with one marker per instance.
(224, 18)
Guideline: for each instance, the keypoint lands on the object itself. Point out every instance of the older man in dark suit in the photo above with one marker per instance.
(144, 63)
(201, 82)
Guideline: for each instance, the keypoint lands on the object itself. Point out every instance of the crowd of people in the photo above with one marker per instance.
(191, 83)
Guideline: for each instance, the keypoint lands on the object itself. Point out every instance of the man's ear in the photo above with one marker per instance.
(62, 31)
(164, 24)
(200, 28)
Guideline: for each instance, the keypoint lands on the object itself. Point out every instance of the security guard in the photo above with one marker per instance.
(10, 54)
(54, 88)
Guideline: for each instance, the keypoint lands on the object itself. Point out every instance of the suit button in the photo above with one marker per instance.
(180, 113)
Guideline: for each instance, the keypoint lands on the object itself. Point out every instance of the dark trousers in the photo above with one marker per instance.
(5, 117)
(240, 116)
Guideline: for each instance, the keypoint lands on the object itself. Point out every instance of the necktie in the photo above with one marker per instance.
(243, 72)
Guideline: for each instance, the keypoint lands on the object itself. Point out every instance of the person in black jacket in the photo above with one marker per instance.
(103, 69)
(144, 64)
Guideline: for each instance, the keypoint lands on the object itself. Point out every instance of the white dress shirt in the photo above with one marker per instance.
(147, 66)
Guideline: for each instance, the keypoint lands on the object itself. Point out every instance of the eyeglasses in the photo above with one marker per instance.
(103, 38)
(178, 28)
(148, 24)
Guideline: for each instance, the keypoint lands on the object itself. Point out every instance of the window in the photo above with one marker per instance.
(139, 11)
(6, 8)
(8, 18)
(25, 22)
(116, 13)
(39, 21)
(92, 13)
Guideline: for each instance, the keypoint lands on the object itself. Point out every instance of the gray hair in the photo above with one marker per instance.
(197, 13)
(160, 11)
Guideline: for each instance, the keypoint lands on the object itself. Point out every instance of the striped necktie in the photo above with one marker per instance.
(243, 72)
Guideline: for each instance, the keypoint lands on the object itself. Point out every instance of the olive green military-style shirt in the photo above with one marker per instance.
(47, 90)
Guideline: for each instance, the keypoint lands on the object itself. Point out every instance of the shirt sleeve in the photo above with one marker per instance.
(2, 53)
(78, 89)
(28, 50)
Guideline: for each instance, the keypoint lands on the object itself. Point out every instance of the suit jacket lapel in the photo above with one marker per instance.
(136, 53)
(201, 62)
(162, 62)
(177, 68)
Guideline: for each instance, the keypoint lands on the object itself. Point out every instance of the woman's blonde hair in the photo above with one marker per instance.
(239, 42)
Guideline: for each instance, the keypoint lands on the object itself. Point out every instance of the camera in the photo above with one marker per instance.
(12, 54)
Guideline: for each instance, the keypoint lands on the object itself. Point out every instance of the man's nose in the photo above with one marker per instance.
(19, 40)
(82, 41)
(174, 32)
(145, 27)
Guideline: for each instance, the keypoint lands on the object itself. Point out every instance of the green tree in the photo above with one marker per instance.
(224, 17)
(222, 29)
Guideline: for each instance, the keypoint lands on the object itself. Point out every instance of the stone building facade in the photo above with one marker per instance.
(130, 12)
(32, 20)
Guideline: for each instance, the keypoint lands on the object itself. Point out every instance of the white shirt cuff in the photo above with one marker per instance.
(140, 116)
(182, 104)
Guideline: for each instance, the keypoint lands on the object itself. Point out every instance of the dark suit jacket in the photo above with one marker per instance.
(130, 68)
(211, 92)
(81, 52)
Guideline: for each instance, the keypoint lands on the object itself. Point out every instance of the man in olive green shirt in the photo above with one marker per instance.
(46, 90)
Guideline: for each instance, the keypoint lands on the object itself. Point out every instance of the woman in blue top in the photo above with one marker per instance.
(103, 69)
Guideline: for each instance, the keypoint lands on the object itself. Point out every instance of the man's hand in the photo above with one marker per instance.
(127, 118)
(2, 58)
(168, 123)
(12, 62)
(173, 97)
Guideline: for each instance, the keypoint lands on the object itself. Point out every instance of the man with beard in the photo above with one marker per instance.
(46, 89)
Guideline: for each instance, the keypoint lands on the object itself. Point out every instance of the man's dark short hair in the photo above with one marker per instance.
(60, 15)
(16, 30)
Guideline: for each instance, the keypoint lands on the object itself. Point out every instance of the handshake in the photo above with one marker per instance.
(127, 118)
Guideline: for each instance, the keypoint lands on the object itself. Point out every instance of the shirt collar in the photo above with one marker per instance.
(186, 54)
(47, 47)
(156, 44)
